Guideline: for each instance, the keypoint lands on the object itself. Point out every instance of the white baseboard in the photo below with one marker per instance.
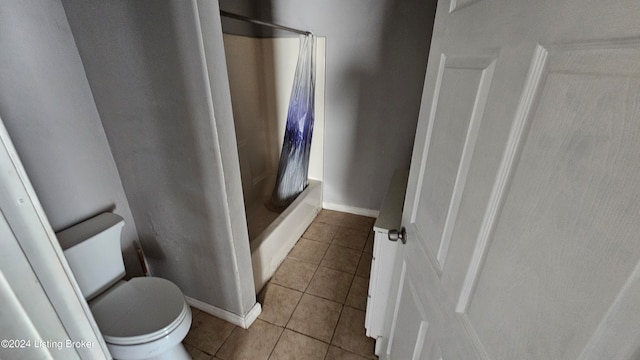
(351, 209)
(242, 321)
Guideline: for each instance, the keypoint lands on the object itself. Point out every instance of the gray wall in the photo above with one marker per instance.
(47, 107)
(376, 60)
(166, 110)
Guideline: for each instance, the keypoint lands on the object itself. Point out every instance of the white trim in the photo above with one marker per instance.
(472, 335)
(351, 209)
(242, 321)
(396, 307)
(468, 150)
(516, 137)
(427, 141)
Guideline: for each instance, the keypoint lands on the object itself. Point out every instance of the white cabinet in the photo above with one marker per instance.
(384, 253)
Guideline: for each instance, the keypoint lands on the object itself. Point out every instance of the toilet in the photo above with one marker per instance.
(143, 318)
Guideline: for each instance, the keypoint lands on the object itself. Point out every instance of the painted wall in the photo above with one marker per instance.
(158, 75)
(376, 59)
(47, 107)
(253, 134)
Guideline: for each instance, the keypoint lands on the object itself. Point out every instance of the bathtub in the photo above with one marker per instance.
(261, 73)
(271, 246)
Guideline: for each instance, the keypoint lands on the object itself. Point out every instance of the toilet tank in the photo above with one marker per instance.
(92, 249)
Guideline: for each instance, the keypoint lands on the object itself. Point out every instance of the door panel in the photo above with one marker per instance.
(410, 343)
(566, 240)
(454, 106)
(461, 93)
(522, 207)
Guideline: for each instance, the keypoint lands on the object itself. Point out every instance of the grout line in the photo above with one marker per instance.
(304, 292)
(276, 344)
(294, 310)
(318, 241)
(322, 298)
(333, 334)
(355, 353)
(349, 291)
(224, 341)
(333, 237)
(344, 247)
(286, 287)
(333, 300)
(322, 259)
(314, 274)
(358, 266)
(309, 336)
(303, 260)
(314, 240)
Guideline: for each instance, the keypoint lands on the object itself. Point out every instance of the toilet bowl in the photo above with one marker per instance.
(143, 318)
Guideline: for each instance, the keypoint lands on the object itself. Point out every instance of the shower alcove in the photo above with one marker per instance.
(261, 73)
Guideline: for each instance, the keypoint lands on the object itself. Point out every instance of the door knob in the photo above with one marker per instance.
(394, 235)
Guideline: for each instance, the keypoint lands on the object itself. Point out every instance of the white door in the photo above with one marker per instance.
(42, 312)
(523, 204)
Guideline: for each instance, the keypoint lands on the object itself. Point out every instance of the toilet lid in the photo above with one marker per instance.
(140, 310)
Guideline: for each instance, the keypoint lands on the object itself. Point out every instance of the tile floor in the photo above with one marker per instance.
(313, 307)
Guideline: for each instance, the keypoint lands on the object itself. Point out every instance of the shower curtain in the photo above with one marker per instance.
(294, 158)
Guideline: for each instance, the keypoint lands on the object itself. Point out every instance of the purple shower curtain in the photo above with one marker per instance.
(294, 158)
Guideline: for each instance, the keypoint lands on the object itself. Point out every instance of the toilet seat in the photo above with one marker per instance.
(139, 311)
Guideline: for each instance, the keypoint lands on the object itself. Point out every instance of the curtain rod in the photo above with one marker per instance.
(264, 23)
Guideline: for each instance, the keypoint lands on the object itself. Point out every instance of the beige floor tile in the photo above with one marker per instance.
(357, 222)
(357, 297)
(350, 333)
(278, 303)
(294, 274)
(336, 353)
(368, 247)
(309, 250)
(194, 312)
(208, 333)
(255, 343)
(351, 238)
(294, 346)
(197, 354)
(341, 259)
(330, 217)
(321, 232)
(315, 317)
(364, 266)
(330, 284)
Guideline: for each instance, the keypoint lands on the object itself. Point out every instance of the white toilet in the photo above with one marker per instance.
(143, 318)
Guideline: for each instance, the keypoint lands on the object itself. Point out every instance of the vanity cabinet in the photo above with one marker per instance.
(384, 254)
